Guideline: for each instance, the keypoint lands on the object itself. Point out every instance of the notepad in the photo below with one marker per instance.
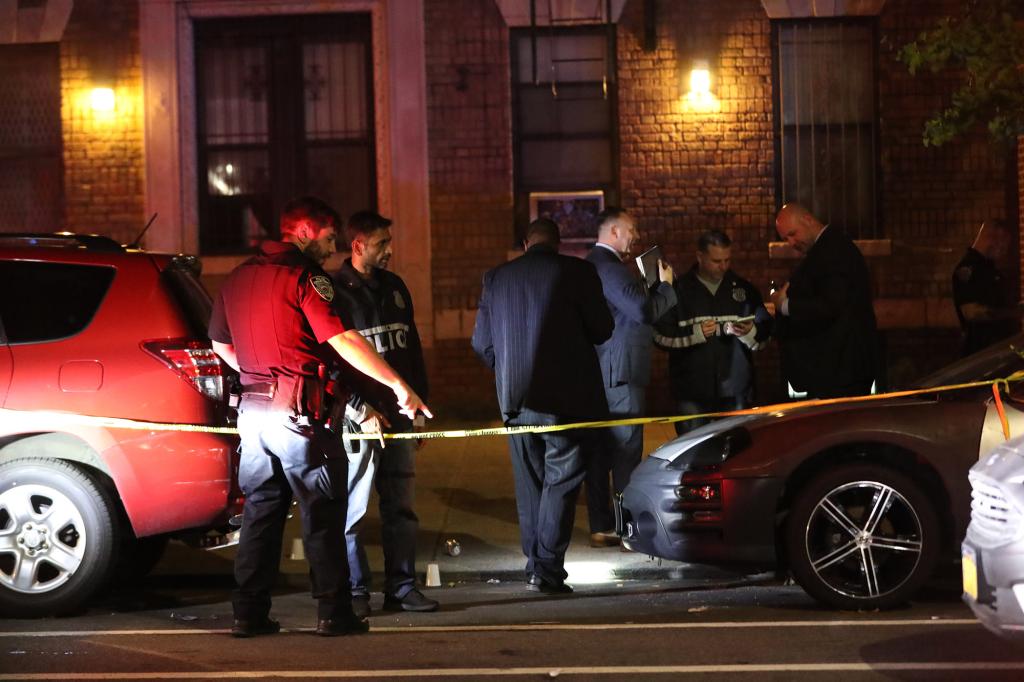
(647, 263)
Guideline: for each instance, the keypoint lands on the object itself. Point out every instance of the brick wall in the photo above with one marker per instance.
(681, 170)
(470, 150)
(933, 199)
(103, 153)
(684, 170)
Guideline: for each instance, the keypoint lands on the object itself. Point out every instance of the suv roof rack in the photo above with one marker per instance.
(91, 242)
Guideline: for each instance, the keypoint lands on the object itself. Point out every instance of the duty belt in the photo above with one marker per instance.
(264, 389)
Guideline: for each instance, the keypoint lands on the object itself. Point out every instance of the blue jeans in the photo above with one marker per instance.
(393, 469)
(281, 459)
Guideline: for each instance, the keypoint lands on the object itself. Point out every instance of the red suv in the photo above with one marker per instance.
(90, 329)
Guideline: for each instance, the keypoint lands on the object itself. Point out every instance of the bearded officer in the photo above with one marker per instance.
(381, 309)
(274, 322)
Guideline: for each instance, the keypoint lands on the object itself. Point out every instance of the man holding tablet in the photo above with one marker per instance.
(718, 320)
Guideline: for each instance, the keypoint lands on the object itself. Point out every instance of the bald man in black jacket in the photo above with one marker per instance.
(825, 316)
(539, 318)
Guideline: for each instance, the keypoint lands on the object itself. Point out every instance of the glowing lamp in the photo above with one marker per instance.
(102, 99)
(699, 98)
(700, 79)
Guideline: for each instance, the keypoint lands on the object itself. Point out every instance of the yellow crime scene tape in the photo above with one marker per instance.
(45, 417)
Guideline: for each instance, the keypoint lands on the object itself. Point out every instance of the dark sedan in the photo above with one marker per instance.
(858, 500)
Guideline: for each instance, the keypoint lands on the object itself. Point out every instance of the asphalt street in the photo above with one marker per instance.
(629, 616)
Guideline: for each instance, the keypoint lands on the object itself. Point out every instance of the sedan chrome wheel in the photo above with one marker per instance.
(862, 537)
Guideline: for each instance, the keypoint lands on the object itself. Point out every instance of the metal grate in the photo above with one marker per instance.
(994, 519)
(285, 109)
(564, 124)
(825, 121)
(31, 168)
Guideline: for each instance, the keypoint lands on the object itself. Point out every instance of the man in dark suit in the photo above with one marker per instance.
(625, 362)
(539, 318)
(825, 317)
(985, 303)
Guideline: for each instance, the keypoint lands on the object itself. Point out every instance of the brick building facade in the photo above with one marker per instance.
(679, 170)
(103, 153)
(684, 171)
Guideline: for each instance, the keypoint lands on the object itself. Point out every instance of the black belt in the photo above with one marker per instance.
(265, 389)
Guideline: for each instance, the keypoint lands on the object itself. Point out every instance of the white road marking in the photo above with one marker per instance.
(535, 626)
(551, 671)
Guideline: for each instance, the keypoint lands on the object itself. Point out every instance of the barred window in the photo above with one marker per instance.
(31, 149)
(826, 121)
(285, 109)
(564, 114)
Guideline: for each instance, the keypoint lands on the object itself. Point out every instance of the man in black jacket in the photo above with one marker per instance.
(825, 319)
(717, 321)
(538, 321)
(985, 305)
(380, 307)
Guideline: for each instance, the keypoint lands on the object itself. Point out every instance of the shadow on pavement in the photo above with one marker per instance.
(498, 508)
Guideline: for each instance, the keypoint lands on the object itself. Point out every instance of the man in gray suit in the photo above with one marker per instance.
(625, 362)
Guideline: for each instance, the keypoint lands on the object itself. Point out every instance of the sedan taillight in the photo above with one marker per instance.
(194, 361)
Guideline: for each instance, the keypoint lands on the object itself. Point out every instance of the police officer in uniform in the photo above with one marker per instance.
(273, 322)
(381, 309)
(709, 336)
(980, 292)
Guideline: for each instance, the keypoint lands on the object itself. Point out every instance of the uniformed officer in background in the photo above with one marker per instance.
(273, 322)
(984, 302)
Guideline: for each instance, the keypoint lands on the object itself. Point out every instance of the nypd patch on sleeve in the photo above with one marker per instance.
(323, 286)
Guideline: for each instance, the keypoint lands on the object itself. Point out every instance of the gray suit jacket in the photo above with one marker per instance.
(626, 357)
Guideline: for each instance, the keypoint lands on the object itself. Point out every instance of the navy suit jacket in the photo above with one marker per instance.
(539, 318)
(828, 340)
(626, 357)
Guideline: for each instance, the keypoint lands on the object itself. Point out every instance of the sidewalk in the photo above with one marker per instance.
(464, 492)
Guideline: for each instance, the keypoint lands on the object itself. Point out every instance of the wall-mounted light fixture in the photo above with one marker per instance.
(102, 99)
(101, 61)
(699, 96)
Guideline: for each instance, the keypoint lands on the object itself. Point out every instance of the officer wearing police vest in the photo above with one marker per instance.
(274, 322)
(719, 318)
(381, 309)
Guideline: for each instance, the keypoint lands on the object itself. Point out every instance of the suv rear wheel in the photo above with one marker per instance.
(862, 537)
(58, 536)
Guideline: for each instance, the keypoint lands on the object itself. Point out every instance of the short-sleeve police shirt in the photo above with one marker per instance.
(275, 309)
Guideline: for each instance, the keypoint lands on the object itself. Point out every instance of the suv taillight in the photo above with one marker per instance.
(194, 361)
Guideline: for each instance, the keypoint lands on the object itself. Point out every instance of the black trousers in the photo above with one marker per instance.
(621, 449)
(282, 460)
(548, 469)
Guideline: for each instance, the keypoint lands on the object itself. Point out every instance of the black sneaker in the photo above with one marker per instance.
(361, 605)
(254, 628)
(414, 600)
